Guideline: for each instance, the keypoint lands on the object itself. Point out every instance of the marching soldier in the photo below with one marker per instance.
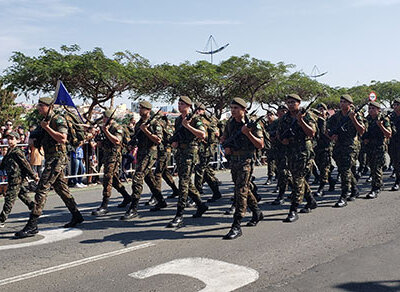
(245, 141)
(188, 132)
(53, 139)
(149, 136)
(111, 159)
(375, 138)
(17, 169)
(394, 144)
(269, 127)
(203, 172)
(343, 128)
(296, 130)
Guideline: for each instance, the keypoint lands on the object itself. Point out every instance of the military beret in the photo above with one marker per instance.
(46, 100)
(375, 104)
(201, 106)
(145, 104)
(323, 105)
(397, 100)
(108, 113)
(13, 134)
(185, 99)
(347, 97)
(239, 101)
(293, 96)
(283, 107)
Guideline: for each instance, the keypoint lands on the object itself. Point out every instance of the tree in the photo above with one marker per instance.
(91, 76)
(8, 109)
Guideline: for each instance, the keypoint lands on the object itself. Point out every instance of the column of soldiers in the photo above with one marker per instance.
(291, 149)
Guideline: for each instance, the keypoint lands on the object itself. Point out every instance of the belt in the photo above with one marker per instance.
(186, 145)
(242, 153)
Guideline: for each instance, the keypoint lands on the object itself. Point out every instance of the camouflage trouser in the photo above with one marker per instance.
(185, 162)
(203, 172)
(395, 157)
(345, 158)
(53, 175)
(298, 160)
(163, 172)
(282, 171)
(323, 160)
(363, 157)
(145, 162)
(241, 170)
(14, 189)
(271, 165)
(111, 176)
(376, 158)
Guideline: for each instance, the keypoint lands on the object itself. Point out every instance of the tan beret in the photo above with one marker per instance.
(145, 104)
(347, 97)
(239, 101)
(185, 99)
(293, 96)
(375, 104)
(46, 100)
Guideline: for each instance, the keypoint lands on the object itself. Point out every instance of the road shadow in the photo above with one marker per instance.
(375, 286)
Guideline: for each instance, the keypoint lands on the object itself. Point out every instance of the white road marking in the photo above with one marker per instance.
(73, 264)
(217, 275)
(50, 235)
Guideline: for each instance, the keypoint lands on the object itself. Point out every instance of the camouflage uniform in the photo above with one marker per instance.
(375, 148)
(17, 168)
(241, 165)
(163, 157)
(299, 152)
(394, 146)
(203, 172)
(111, 159)
(345, 151)
(269, 151)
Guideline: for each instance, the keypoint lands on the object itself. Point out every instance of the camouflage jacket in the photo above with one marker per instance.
(50, 146)
(107, 146)
(343, 127)
(185, 136)
(373, 136)
(144, 143)
(16, 165)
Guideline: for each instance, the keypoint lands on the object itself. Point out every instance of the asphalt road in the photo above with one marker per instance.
(355, 248)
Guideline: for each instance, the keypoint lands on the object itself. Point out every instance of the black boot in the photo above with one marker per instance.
(292, 216)
(201, 209)
(103, 209)
(354, 194)
(342, 202)
(177, 222)
(132, 211)
(126, 201)
(160, 205)
(231, 210)
(216, 196)
(320, 192)
(396, 186)
(235, 231)
(30, 228)
(75, 220)
(373, 194)
(269, 180)
(151, 201)
(257, 217)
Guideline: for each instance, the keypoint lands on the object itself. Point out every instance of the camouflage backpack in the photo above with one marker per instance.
(76, 132)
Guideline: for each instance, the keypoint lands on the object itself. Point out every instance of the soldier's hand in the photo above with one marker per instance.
(334, 138)
(352, 115)
(228, 151)
(105, 128)
(300, 115)
(143, 127)
(285, 141)
(186, 123)
(245, 130)
(379, 123)
(44, 124)
(174, 144)
(36, 179)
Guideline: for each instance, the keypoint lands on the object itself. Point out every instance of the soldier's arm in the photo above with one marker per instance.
(256, 138)
(385, 128)
(307, 127)
(197, 129)
(358, 124)
(24, 164)
(154, 137)
(59, 137)
(115, 139)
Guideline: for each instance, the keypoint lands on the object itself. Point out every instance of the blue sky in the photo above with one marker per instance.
(356, 41)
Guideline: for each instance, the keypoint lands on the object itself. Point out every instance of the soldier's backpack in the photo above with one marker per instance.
(126, 138)
(76, 132)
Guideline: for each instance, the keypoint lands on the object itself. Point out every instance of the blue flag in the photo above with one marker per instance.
(63, 97)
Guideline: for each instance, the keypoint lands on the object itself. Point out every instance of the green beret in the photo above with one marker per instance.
(375, 104)
(185, 99)
(46, 100)
(293, 96)
(239, 101)
(201, 106)
(347, 97)
(145, 104)
(397, 100)
(108, 113)
(323, 105)
(283, 107)
(13, 134)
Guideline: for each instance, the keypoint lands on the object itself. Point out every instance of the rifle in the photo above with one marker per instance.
(342, 127)
(134, 138)
(102, 136)
(175, 137)
(39, 132)
(291, 131)
(231, 142)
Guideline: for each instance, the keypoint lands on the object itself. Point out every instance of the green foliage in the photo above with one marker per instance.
(8, 109)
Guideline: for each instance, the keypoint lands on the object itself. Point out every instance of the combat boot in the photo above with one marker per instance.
(309, 206)
(373, 194)
(231, 210)
(160, 205)
(177, 222)
(132, 211)
(292, 216)
(320, 192)
(126, 201)
(103, 209)
(354, 195)
(257, 217)
(30, 228)
(235, 231)
(151, 201)
(216, 196)
(201, 209)
(342, 202)
(269, 180)
(75, 220)
(395, 187)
